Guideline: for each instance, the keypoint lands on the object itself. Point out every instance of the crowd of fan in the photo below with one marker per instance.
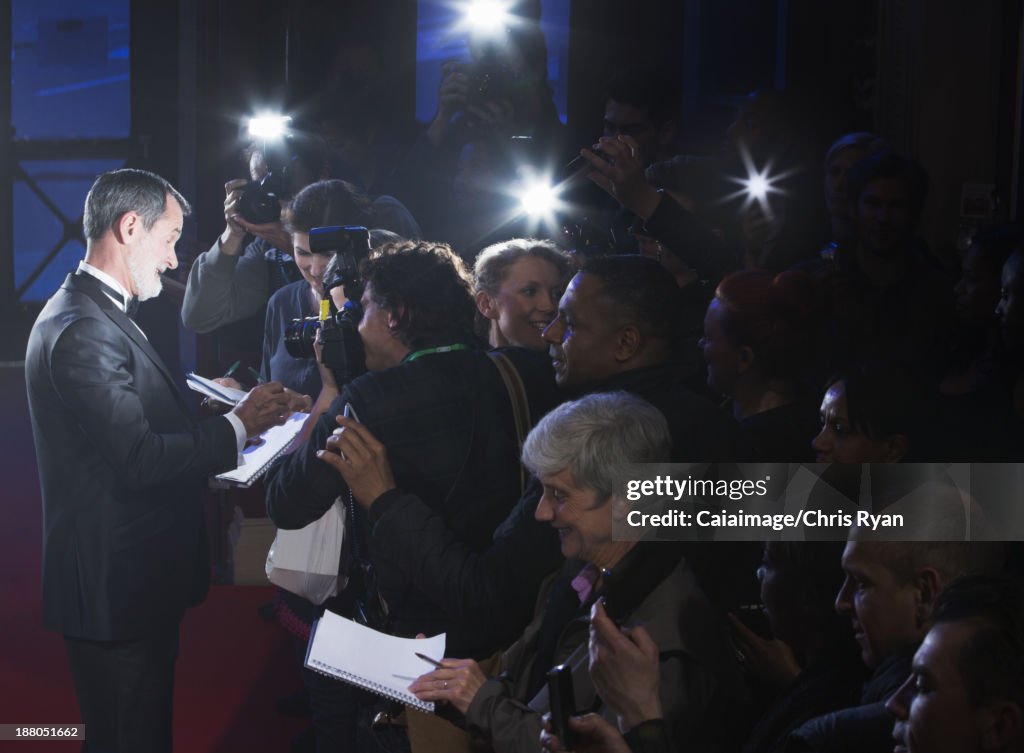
(828, 332)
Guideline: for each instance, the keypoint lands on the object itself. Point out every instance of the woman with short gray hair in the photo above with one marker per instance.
(578, 452)
(596, 438)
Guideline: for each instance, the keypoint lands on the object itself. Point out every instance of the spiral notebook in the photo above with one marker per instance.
(219, 392)
(255, 459)
(375, 661)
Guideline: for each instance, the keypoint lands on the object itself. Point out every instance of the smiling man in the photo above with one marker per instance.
(121, 461)
(616, 330)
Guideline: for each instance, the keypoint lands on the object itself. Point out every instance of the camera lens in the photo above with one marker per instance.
(260, 202)
(300, 336)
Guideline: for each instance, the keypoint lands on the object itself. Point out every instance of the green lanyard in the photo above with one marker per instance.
(439, 349)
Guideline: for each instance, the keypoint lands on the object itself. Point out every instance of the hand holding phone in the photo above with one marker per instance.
(625, 668)
(563, 704)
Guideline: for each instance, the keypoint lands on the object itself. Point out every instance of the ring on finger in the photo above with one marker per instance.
(445, 685)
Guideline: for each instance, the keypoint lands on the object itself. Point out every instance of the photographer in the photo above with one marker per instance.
(441, 407)
(495, 114)
(233, 280)
(438, 404)
(324, 203)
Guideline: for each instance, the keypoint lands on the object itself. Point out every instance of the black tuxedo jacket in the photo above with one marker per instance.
(121, 461)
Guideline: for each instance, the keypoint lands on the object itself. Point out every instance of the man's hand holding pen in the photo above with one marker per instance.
(297, 403)
(264, 406)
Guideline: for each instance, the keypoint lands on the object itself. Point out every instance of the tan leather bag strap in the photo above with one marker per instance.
(520, 405)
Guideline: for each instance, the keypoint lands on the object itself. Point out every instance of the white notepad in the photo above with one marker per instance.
(212, 390)
(362, 656)
(254, 460)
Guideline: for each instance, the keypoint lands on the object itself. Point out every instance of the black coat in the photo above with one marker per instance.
(121, 461)
(446, 421)
(492, 590)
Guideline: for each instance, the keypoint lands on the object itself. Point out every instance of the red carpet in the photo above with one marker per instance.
(231, 667)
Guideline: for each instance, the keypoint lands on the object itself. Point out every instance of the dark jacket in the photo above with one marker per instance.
(687, 237)
(701, 433)
(902, 323)
(495, 589)
(701, 684)
(446, 421)
(492, 591)
(866, 728)
(784, 434)
(832, 683)
(121, 462)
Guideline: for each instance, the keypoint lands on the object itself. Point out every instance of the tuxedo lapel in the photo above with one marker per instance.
(90, 286)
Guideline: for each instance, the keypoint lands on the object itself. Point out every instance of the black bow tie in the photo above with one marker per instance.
(130, 308)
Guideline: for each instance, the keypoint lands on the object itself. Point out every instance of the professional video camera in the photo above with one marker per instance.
(341, 348)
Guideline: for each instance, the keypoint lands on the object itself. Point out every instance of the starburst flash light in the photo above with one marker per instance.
(758, 184)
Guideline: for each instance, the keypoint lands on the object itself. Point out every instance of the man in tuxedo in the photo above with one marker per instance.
(120, 461)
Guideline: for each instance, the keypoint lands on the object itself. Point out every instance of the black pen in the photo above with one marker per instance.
(232, 370)
(428, 660)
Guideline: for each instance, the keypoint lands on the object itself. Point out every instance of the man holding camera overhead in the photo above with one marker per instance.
(233, 280)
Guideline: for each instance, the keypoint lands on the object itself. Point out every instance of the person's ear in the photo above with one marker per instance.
(896, 448)
(628, 343)
(396, 317)
(745, 360)
(1001, 726)
(485, 305)
(127, 227)
(928, 584)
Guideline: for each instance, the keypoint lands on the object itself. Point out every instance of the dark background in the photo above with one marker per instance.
(940, 80)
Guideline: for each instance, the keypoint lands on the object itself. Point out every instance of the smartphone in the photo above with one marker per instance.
(563, 704)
